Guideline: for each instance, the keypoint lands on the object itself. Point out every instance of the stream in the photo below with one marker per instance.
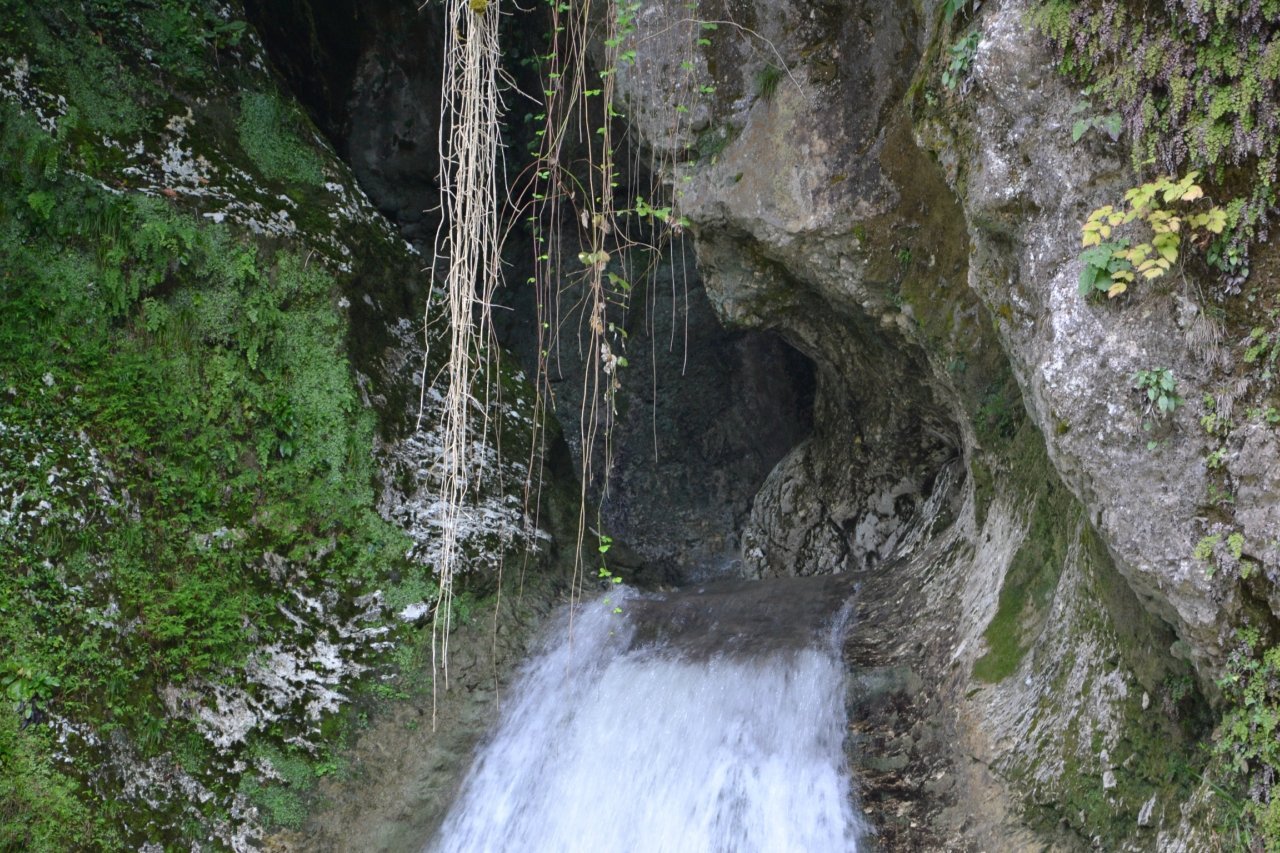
(710, 719)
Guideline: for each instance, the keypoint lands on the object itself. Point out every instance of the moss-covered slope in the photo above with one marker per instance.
(197, 407)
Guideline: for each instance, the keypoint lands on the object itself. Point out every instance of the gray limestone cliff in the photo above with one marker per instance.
(1032, 601)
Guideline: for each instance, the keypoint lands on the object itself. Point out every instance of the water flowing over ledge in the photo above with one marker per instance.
(614, 739)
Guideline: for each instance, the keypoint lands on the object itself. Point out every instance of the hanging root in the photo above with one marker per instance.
(467, 248)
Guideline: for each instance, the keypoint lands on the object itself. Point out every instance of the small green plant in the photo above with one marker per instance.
(1230, 256)
(1109, 123)
(951, 8)
(1219, 496)
(767, 80)
(28, 688)
(1270, 415)
(1212, 421)
(1247, 740)
(962, 54)
(1160, 389)
(1112, 265)
(1204, 552)
(1223, 550)
(1263, 348)
(603, 573)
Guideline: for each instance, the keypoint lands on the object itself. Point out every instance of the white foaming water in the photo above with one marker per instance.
(609, 749)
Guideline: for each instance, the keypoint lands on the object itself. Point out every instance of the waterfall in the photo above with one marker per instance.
(611, 743)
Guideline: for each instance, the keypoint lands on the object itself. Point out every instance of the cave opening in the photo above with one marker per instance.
(706, 413)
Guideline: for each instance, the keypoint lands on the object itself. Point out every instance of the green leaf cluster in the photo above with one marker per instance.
(960, 58)
(1195, 83)
(1111, 266)
(1247, 740)
(1160, 389)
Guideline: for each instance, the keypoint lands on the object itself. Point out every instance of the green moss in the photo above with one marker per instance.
(1136, 57)
(177, 400)
(270, 133)
(1032, 576)
(983, 491)
(280, 804)
(1152, 751)
(40, 811)
(206, 369)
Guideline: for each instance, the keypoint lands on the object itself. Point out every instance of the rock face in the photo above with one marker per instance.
(880, 369)
(1027, 187)
(212, 367)
(369, 74)
(978, 452)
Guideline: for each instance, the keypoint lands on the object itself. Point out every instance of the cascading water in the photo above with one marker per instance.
(621, 737)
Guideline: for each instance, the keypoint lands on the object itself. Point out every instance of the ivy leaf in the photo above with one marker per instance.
(1114, 126)
(1088, 280)
(1217, 220)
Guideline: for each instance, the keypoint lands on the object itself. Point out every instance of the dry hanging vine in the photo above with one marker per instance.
(572, 186)
(468, 246)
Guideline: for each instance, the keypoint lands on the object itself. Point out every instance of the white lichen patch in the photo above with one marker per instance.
(493, 522)
(297, 679)
(50, 475)
(17, 85)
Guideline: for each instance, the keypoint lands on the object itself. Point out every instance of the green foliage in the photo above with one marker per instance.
(1160, 388)
(1247, 740)
(603, 573)
(1109, 123)
(1160, 391)
(999, 415)
(1105, 269)
(1262, 349)
(960, 58)
(27, 688)
(205, 371)
(118, 62)
(1230, 257)
(1195, 84)
(40, 810)
(1111, 266)
(951, 8)
(271, 134)
(767, 80)
(280, 800)
(1224, 550)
